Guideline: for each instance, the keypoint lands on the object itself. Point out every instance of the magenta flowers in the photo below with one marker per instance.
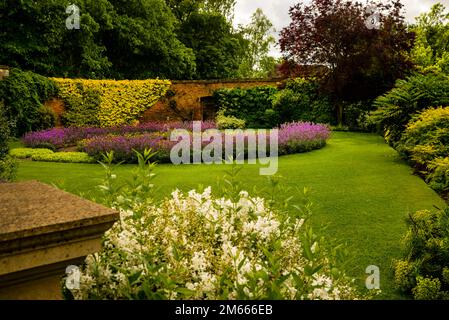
(57, 138)
(292, 138)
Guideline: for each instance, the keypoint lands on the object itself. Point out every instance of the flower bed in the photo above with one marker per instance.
(293, 138)
(299, 137)
(65, 137)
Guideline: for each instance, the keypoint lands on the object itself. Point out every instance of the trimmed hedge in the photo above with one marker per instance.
(48, 155)
(24, 153)
(68, 157)
(108, 102)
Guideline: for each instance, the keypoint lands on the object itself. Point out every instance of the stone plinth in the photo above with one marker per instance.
(43, 230)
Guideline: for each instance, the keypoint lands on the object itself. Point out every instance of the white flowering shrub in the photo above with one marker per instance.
(197, 246)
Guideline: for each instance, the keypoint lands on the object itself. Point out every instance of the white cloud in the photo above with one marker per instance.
(277, 11)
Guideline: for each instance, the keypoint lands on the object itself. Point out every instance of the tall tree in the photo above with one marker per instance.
(226, 8)
(218, 50)
(364, 47)
(117, 38)
(144, 44)
(258, 33)
(183, 9)
(431, 50)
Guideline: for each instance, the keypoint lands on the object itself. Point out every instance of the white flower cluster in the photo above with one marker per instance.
(195, 246)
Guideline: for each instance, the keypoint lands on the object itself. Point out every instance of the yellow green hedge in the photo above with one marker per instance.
(121, 102)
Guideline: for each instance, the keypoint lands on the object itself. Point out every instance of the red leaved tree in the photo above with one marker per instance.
(363, 47)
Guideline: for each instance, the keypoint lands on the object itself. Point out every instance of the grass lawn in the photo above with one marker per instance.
(361, 190)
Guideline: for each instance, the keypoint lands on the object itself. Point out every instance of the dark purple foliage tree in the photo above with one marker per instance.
(364, 47)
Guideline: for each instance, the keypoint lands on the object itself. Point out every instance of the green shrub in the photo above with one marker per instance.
(23, 153)
(69, 157)
(438, 176)
(8, 167)
(396, 108)
(425, 143)
(224, 122)
(47, 118)
(405, 275)
(4, 132)
(428, 129)
(302, 101)
(82, 110)
(24, 93)
(355, 116)
(249, 105)
(427, 289)
(423, 272)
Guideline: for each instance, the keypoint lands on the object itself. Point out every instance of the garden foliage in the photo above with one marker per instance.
(424, 270)
(416, 93)
(425, 143)
(48, 155)
(8, 166)
(123, 141)
(302, 100)
(108, 102)
(23, 94)
(254, 106)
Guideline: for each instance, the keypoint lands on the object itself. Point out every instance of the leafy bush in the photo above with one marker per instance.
(397, 107)
(4, 132)
(108, 102)
(68, 157)
(23, 93)
(251, 105)
(425, 143)
(48, 155)
(302, 101)
(82, 110)
(197, 246)
(24, 153)
(423, 272)
(438, 176)
(8, 169)
(224, 122)
(8, 166)
(429, 130)
(356, 114)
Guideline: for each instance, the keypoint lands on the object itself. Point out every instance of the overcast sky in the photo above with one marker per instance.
(277, 11)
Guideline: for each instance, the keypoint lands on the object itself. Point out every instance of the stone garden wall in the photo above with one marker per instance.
(192, 100)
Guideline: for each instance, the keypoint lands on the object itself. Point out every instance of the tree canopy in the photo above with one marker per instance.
(123, 39)
(364, 47)
(431, 49)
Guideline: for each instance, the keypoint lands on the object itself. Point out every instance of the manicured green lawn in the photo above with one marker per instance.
(361, 190)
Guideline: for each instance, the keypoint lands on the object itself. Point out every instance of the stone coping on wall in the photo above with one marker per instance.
(42, 231)
(274, 80)
(30, 210)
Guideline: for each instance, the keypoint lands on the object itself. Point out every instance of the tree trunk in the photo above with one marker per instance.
(340, 113)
